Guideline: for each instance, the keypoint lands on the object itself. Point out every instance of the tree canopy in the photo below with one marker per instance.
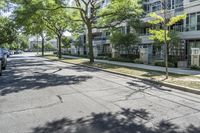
(8, 31)
(93, 15)
(124, 41)
(61, 15)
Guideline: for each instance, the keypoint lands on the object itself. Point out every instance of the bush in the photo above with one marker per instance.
(107, 55)
(83, 56)
(195, 67)
(102, 57)
(122, 60)
(162, 64)
(138, 61)
(67, 53)
(130, 56)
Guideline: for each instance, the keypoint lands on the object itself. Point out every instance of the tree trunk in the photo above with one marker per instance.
(166, 60)
(166, 52)
(42, 44)
(165, 39)
(59, 47)
(91, 54)
(128, 52)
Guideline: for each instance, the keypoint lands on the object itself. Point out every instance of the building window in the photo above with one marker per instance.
(173, 3)
(198, 21)
(146, 8)
(179, 3)
(156, 6)
(193, 21)
(193, 0)
(178, 26)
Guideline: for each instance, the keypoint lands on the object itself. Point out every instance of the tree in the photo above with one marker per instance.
(66, 42)
(14, 46)
(127, 41)
(23, 42)
(29, 19)
(92, 16)
(49, 47)
(58, 22)
(163, 34)
(8, 31)
(38, 18)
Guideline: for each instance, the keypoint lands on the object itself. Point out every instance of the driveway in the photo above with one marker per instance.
(41, 96)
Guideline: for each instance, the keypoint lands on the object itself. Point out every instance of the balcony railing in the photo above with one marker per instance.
(101, 40)
(178, 28)
(193, 27)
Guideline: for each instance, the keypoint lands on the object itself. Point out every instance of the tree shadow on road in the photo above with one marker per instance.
(124, 121)
(144, 85)
(39, 81)
(25, 74)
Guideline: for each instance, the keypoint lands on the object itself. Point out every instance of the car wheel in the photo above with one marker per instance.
(1, 72)
(4, 68)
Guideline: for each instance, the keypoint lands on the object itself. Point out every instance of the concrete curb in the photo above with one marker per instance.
(173, 86)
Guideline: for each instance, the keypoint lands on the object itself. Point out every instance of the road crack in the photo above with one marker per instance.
(60, 98)
(37, 107)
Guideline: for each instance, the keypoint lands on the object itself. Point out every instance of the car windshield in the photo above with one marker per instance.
(1, 51)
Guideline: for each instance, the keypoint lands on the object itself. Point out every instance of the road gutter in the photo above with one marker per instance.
(170, 85)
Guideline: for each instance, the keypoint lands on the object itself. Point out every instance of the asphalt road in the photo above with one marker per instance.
(41, 96)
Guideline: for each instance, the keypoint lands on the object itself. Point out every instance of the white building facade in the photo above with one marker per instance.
(188, 30)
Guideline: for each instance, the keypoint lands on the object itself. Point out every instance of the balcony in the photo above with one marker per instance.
(101, 40)
(145, 39)
(190, 34)
(96, 30)
(178, 28)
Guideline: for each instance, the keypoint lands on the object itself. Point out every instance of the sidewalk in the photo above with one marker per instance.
(142, 66)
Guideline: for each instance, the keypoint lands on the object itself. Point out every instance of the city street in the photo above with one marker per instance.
(42, 96)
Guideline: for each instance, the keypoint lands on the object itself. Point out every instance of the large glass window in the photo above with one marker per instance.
(173, 3)
(193, 21)
(198, 21)
(193, 0)
(187, 23)
(146, 8)
(179, 3)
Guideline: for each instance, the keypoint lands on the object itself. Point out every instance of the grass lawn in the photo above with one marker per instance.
(178, 79)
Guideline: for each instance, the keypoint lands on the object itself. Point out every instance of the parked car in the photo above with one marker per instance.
(18, 52)
(3, 59)
(0, 68)
(11, 52)
(6, 52)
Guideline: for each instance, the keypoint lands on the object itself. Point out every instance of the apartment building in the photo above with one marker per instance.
(101, 42)
(188, 29)
(35, 42)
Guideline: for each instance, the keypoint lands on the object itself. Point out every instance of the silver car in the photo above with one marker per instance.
(3, 59)
(0, 69)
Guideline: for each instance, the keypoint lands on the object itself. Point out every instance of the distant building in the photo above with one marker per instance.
(34, 42)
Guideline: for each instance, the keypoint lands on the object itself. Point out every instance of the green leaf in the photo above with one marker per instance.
(176, 19)
(159, 35)
(156, 18)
